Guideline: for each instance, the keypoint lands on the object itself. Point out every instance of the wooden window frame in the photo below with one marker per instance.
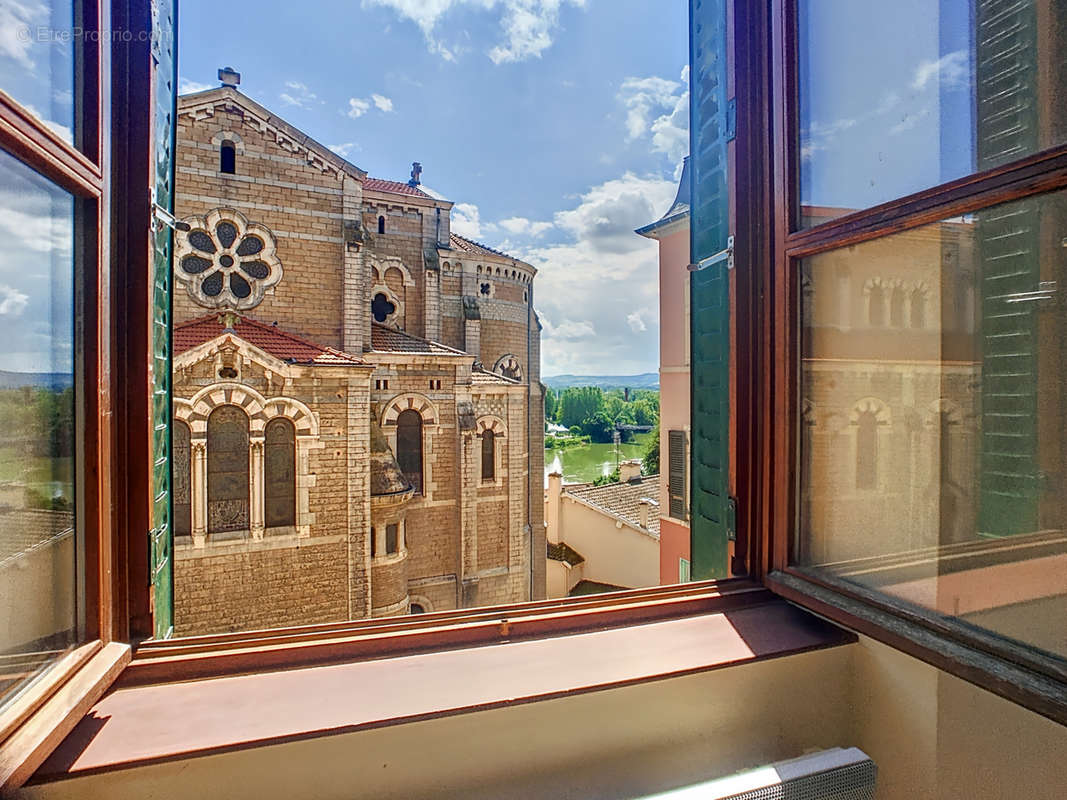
(1007, 668)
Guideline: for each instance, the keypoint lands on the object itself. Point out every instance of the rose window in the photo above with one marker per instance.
(225, 261)
(508, 366)
(382, 307)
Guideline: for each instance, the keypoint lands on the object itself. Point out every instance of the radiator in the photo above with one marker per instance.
(837, 774)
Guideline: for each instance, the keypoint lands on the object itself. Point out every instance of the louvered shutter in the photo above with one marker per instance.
(709, 287)
(1007, 241)
(676, 469)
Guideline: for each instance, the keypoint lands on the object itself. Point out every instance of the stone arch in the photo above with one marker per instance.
(509, 366)
(881, 410)
(382, 264)
(422, 601)
(491, 422)
(411, 400)
(232, 137)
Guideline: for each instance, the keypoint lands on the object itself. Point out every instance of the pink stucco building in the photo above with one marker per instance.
(672, 233)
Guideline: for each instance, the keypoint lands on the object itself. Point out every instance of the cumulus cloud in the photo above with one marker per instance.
(658, 108)
(186, 86)
(298, 94)
(383, 103)
(12, 301)
(951, 71)
(466, 220)
(345, 149)
(527, 27)
(636, 320)
(357, 107)
(17, 17)
(520, 226)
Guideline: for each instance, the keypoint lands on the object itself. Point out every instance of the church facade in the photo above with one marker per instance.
(358, 413)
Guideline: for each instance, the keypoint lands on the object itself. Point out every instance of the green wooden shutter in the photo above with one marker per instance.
(164, 69)
(709, 221)
(1007, 240)
(676, 468)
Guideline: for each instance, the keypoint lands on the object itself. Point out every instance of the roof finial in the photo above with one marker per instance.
(416, 174)
(230, 77)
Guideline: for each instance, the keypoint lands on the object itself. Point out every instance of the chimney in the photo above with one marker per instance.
(416, 174)
(230, 77)
(644, 507)
(630, 470)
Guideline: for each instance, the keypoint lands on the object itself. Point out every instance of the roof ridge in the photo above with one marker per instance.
(272, 328)
(387, 329)
(483, 246)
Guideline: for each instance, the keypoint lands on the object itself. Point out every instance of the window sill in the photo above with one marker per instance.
(163, 722)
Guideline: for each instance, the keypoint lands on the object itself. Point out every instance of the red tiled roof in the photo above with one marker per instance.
(280, 344)
(623, 499)
(390, 340)
(482, 376)
(396, 187)
(469, 246)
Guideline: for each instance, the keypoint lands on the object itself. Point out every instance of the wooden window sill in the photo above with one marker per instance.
(147, 724)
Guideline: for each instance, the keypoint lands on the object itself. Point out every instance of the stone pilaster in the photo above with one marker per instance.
(355, 305)
(359, 513)
(255, 505)
(198, 494)
(433, 304)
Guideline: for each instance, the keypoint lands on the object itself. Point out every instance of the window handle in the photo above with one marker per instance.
(726, 255)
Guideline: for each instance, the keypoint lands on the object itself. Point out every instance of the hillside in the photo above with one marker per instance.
(646, 380)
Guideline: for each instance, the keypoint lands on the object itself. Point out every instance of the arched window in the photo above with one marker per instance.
(181, 458)
(381, 224)
(896, 308)
(918, 309)
(227, 158)
(877, 310)
(227, 470)
(488, 455)
(279, 474)
(409, 447)
(373, 542)
(415, 608)
(867, 450)
(392, 538)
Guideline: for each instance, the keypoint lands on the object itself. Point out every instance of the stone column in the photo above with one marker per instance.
(355, 300)
(198, 494)
(255, 504)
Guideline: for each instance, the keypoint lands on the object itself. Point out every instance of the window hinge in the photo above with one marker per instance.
(731, 120)
(726, 255)
(731, 519)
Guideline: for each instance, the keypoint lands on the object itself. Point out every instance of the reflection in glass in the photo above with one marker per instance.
(37, 50)
(934, 455)
(898, 97)
(37, 432)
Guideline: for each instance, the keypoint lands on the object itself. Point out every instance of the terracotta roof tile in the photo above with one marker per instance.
(396, 187)
(481, 376)
(390, 340)
(622, 499)
(25, 529)
(469, 246)
(273, 340)
(565, 553)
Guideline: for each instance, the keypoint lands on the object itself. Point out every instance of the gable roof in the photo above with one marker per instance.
(679, 209)
(622, 499)
(396, 187)
(390, 340)
(270, 339)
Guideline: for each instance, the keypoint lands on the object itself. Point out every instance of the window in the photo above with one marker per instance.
(381, 224)
(866, 450)
(488, 455)
(279, 472)
(227, 470)
(373, 542)
(676, 469)
(228, 158)
(409, 447)
(392, 538)
(181, 471)
(683, 570)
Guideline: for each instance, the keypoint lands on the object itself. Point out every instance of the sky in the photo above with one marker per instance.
(555, 126)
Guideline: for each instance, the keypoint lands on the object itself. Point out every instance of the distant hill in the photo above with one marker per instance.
(646, 380)
(40, 380)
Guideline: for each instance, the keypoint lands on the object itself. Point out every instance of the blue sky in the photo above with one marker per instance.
(556, 126)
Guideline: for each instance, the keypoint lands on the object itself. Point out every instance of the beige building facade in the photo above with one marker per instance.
(356, 389)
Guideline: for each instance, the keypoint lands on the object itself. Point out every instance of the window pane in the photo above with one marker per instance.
(37, 47)
(934, 441)
(227, 470)
(898, 97)
(280, 474)
(38, 579)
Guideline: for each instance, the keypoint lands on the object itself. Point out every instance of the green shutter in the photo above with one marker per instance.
(1007, 240)
(164, 98)
(710, 315)
(676, 467)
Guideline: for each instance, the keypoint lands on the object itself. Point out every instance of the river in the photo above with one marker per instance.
(585, 464)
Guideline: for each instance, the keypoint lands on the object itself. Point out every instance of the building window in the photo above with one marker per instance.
(392, 538)
(488, 455)
(415, 608)
(227, 470)
(228, 158)
(279, 474)
(373, 542)
(381, 224)
(867, 450)
(409, 447)
(683, 570)
(181, 464)
(676, 469)
(382, 308)
(918, 308)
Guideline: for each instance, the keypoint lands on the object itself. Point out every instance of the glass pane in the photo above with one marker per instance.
(898, 97)
(934, 439)
(37, 440)
(37, 45)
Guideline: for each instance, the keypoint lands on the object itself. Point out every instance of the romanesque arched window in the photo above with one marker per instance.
(181, 489)
(488, 455)
(381, 224)
(896, 307)
(867, 450)
(279, 474)
(876, 314)
(409, 447)
(227, 470)
(918, 308)
(228, 158)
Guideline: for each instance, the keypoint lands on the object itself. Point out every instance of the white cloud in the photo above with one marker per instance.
(520, 226)
(345, 149)
(357, 107)
(466, 220)
(298, 94)
(636, 320)
(12, 301)
(660, 108)
(18, 18)
(186, 86)
(527, 26)
(951, 71)
(383, 103)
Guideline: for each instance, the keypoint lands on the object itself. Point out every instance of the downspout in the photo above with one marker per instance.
(529, 432)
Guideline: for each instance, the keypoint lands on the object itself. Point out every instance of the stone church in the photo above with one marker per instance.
(358, 413)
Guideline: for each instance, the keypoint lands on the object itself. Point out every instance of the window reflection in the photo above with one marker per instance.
(934, 456)
(37, 431)
(898, 97)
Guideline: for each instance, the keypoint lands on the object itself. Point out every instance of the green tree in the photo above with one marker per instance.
(650, 459)
(551, 404)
